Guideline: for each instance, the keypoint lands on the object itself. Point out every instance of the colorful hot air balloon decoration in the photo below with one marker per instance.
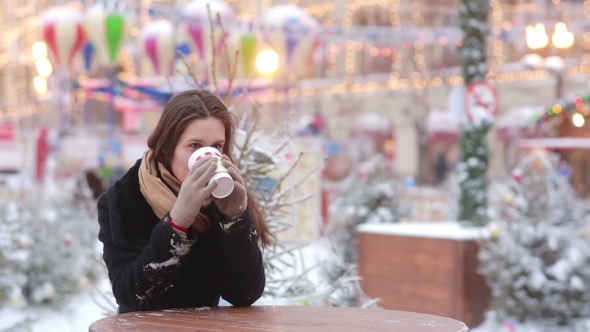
(62, 29)
(196, 26)
(157, 40)
(88, 54)
(293, 34)
(107, 29)
(249, 44)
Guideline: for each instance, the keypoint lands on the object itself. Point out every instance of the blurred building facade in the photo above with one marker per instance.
(391, 57)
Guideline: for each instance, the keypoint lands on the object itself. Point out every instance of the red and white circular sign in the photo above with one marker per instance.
(481, 102)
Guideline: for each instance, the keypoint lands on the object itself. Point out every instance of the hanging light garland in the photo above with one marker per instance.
(338, 47)
(573, 105)
(576, 105)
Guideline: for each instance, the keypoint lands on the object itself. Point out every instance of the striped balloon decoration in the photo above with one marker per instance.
(62, 30)
(157, 40)
(107, 29)
(249, 44)
(293, 34)
(196, 27)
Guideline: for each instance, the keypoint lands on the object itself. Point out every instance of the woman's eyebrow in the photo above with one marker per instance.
(196, 140)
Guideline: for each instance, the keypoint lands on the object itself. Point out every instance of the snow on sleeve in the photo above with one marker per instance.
(227, 227)
(156, 266)
(157, 272)
(178, 251)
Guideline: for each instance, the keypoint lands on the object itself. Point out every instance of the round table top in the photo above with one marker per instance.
(277, 318)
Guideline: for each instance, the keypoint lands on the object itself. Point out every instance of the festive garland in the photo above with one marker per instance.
(157, 92)
(570, 106)
(475, 155)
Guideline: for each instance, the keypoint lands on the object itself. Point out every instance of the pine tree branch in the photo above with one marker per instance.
(248, 137)
(231, 79)
(246, 90)
(281, 147)
(288, 251)
(190, 70)
(297, 201)
(111, 309)
(231, 70)
(302, 180)
(302, 273)
(213, 67)
(284, 176)
(170, 84)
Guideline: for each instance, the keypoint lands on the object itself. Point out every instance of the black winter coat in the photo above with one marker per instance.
(151, 267)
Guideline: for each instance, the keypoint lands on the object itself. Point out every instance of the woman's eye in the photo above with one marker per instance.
(218, 147)
(195, 146)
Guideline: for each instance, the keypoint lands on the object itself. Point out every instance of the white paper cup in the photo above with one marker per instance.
(203, 152)
(225, 183)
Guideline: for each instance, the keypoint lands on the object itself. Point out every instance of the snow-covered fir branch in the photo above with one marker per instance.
(474, 152)
(262, 158)
(538, 262)
(47, 242)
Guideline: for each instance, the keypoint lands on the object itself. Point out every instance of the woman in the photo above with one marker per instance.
(166, 242)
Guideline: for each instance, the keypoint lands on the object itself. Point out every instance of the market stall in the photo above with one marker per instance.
(574, 151)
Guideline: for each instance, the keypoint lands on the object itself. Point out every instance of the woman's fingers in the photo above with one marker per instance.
(242, 192)
(201, 175)
(210, 188)
(227, 162)
(235, 174)
(199, 163)
(232, 169)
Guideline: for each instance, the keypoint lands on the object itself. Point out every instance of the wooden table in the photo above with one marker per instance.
(277, 318)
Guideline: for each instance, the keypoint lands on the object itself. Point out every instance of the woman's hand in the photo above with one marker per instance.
(193, 193)
(236, 203)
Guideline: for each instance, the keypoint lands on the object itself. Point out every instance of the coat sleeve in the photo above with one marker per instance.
(140, 274)
(242, 270)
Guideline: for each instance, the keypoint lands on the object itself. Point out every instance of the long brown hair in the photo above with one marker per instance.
(179, 112)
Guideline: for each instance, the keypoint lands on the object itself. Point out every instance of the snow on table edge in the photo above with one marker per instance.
(451, 230)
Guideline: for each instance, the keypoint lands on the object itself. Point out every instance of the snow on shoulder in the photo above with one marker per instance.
(450, 230)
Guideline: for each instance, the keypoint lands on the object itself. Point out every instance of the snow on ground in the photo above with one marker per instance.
(492, 325)
(75, 315)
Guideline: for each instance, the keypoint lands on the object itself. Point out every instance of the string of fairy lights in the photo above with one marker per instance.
(586, 36)
(419, 56)
(393, 14)
(328, 11)
(497, 44)
(576, 107)
(391, 85)
(416, 9)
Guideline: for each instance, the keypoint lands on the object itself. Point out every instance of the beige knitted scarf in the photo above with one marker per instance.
(160, 192)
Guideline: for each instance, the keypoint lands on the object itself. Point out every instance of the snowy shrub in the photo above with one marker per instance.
(537, 263)
(365, 197)
(47, 242)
